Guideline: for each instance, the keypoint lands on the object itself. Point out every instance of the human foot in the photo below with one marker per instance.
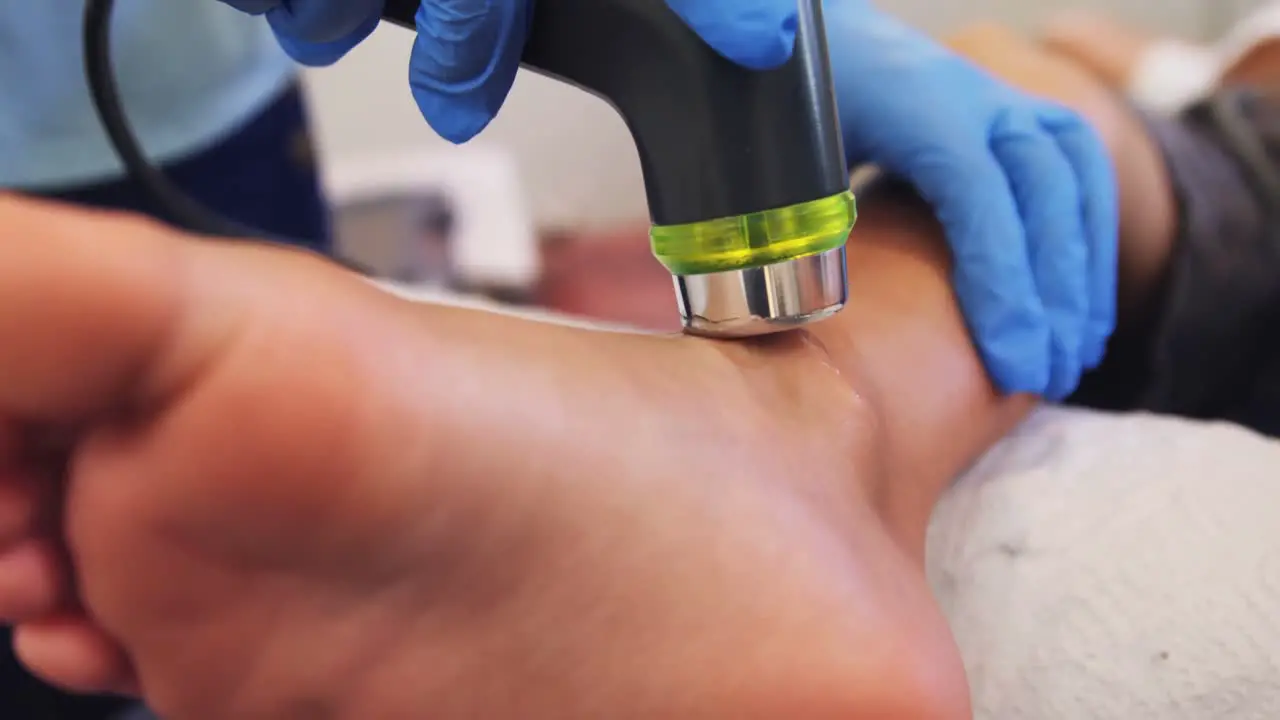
(1107, 48)
(289, 495)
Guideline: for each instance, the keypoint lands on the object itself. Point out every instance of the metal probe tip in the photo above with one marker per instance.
(765, 299)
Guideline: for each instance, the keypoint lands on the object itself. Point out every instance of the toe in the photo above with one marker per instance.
(74, 654)
(32, 581)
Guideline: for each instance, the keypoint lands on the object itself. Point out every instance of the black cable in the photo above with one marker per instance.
(181, 209)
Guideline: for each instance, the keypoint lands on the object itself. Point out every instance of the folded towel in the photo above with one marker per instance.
(1116, 567)
(1172, 75)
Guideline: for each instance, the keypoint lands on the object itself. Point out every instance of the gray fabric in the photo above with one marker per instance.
(1213, 349)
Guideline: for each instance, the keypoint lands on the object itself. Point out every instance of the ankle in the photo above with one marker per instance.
(826, 428)
(819, 421)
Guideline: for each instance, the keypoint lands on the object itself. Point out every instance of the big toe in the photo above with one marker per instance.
(74, 654)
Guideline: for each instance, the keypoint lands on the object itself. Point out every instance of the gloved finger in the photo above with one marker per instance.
(253, 7)
(1096, 178)
(321, 54)
(465, 60)
(322, 21)
(757, 34)
(992, 276)
(1044, 186)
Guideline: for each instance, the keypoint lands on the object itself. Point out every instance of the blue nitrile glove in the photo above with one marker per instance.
(1024, 189)
(467, 51)
(316, 32)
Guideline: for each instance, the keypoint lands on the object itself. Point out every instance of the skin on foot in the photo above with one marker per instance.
(248, 485)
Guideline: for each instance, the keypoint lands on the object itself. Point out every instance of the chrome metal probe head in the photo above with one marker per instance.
(765, 299)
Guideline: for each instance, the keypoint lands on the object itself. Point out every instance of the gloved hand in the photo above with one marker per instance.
(1024, 188)
(467, 51)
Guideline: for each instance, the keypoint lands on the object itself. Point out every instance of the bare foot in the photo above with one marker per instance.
(1258, 66)
(1108, 49)
(286, 494)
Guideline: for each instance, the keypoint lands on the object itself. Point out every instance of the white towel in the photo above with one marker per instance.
(1118, 568)
(1102, 567)
(1172, 75)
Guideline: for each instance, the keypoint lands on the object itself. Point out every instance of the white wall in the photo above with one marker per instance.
(573, 152)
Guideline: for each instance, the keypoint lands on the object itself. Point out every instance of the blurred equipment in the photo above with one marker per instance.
(403, 237)
(455, 220)
(745, 174)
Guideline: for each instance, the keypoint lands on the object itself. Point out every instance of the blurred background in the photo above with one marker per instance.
(557, 163)
(572, 153)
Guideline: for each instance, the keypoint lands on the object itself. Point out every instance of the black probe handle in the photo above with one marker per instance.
(715, 139)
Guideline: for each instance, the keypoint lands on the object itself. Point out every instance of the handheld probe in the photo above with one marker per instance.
(745, 174)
